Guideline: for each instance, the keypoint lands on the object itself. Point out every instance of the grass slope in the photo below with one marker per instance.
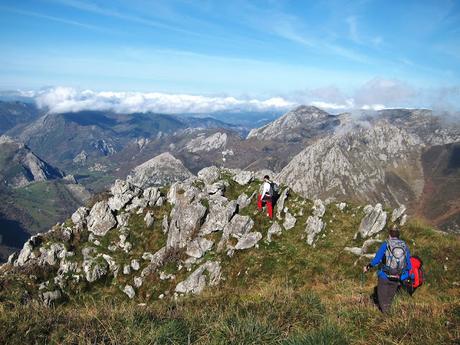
(285, 292)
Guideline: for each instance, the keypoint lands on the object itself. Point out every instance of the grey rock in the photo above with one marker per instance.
(209, 174)
(123, 220)
(215, 188)
(198, 280)
(151, 196)
(183, 193)
(248, 240)
(275, 229)
(203, 143)
(51, 254)
(244, 201)
(221, 210)
(101, 219)
(314, 226)
(113, 266)
(138, 282)
(243, 177)
(95, 269)
(237, 227)
(185, 220)
(26, 252)
(135, 264)
(281, 201)
(289, 221)
(318, 208)
(126, 269)
(341, 206)
(198, 247)
(129, 291)
(160, 201)
(165, 224)
(373, 222)
(148, 219)
(156, 260)
(79, 217)
(398, 213)
(363, 250)
(122, 193)
(403, 220)
(50, 297)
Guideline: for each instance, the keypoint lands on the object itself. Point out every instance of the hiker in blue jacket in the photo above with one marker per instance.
(393, 261)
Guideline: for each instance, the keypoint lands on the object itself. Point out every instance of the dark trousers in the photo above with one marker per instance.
(386, 291)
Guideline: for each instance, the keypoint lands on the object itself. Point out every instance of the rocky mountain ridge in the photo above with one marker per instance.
(179, 238)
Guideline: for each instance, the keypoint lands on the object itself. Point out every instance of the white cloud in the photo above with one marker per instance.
(66, 99)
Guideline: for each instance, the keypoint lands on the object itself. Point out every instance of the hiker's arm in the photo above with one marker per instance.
(377, 258)
(379, 255)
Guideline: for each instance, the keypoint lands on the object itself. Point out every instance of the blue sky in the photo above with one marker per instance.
(393, 52)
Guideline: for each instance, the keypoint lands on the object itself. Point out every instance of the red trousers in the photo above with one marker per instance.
(268, 201)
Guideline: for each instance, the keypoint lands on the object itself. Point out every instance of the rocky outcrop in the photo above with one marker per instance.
(248, 240)
(122, 193)
(101, 219)
(209, 175)
(314, 226)
(243, 177)
(289, 221)
(185, 220)
(237, 227)
(373, 222)
(275, 229)
(207, 274)
(160, 170)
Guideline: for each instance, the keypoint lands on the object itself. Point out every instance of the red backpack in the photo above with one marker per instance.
(416, 271)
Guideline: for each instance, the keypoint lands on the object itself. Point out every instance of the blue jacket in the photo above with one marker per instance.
(379, 257)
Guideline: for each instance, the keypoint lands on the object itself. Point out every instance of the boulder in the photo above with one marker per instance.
(221, 210)
(244, 201)
(197, 281)
(151, 195)
(138, 282)
(275, 229)
(243, 177)
(248, 240)
(135, 264)
(185, 220)
(101, 219)
(215, 188)
(318, 208)
(95, 269)
(129, 291)
(26, 252)
(156, 260)
(237, 227)
(51, 254)
(209, 174)
(79, 217)
(148, 219)
(373, 222)
(198, 247)
(314, 226)
(289, 221)
(122, 193)
(398, 213)
(49, 297)
(280, 202)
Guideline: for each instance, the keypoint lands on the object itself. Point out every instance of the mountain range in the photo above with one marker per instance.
(394, 156)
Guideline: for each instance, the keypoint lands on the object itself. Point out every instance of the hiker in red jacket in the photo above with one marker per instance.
(266, 197)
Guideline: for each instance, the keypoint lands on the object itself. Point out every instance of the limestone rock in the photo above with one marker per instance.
(49, 297)
(129, 291)
(314, 226)
(373, 222)
(138, 282)
(281, 201)
(275, 229)
(185, 219)
(221, 210)
(198, 247)
(209, 174)
(248, 240)
(318, 208)
(398, 213)
(148, 219)
(244, 201)
(135, 264)
(341, 206)
(207, 144)
(95, 269)
(197, 281)
(26, 252)
(289, 221)
(79, 217)
(164, 224)
(151, 195)
(243, 177)
(237, 227)
(122, 193)
(101, 219)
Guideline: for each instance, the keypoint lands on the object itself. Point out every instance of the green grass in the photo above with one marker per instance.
(285, 292)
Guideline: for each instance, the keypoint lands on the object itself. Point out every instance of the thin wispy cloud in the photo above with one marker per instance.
(55, 19)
